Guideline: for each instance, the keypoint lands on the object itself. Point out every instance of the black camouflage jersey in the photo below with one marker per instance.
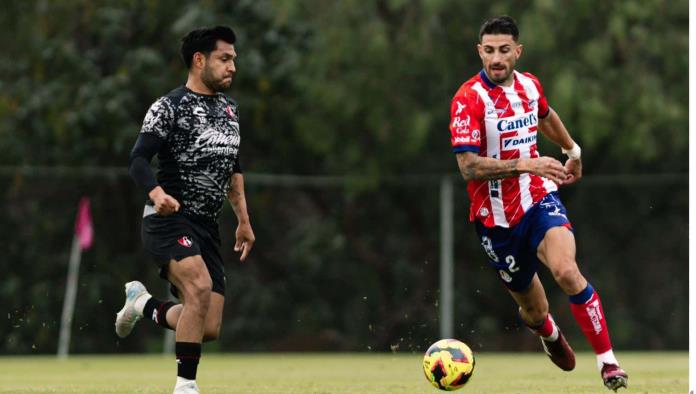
(200, 135)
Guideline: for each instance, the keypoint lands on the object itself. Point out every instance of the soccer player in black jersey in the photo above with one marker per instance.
(194, 131)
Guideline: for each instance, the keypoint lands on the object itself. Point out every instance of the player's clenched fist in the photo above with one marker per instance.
(164, 203)
(574, 169)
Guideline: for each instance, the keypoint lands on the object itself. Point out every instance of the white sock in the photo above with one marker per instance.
(606, 358)
(182, 381)
(140, 302)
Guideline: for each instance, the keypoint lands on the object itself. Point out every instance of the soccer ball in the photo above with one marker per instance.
(448, 364)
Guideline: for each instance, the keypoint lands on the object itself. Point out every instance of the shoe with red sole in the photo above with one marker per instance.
(614, 377)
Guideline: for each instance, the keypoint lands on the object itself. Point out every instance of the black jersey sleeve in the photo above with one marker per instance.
(236, 168)
(157, 124)
(146, 146)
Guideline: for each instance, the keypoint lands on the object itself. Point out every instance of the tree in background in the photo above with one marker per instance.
(344, 87)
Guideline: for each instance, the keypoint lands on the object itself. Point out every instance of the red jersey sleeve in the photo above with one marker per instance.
(466, 118)
(543, 104)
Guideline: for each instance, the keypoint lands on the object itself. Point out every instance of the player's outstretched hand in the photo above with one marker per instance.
(548, 167)
(573, 168)
(164, 203)
(245, 240)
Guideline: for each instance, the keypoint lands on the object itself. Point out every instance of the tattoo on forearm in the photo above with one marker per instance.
(468, 173)
(490, 169)
(234, 194)
(235, 191)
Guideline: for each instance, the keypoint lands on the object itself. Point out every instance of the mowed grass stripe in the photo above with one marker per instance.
(649, 372)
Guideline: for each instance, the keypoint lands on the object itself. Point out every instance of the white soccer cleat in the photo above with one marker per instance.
(128, 316)
(189, 387)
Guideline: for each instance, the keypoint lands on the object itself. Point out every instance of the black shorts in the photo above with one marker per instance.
(176, 237)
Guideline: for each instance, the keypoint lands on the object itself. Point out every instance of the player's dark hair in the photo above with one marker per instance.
(500, 25)
(204, 40)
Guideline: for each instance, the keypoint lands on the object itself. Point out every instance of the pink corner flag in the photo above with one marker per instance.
(83, 224)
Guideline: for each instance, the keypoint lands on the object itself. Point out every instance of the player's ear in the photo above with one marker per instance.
(199, 59)
(518, 50)
(479, 47)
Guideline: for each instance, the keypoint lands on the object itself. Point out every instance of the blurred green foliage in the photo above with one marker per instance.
(359, 88)
(342, 87)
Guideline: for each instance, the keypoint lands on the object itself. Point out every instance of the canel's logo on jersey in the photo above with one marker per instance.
(517, 122)
(516, 142)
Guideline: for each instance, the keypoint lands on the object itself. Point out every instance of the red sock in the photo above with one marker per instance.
(545, 329)
(587, 310)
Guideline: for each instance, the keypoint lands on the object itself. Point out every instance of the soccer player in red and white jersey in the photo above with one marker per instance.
(521, 222)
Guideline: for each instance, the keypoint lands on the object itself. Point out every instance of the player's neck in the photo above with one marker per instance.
(195, 85)
(507, 83)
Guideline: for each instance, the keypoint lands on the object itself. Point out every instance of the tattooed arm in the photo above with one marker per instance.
(475, 167)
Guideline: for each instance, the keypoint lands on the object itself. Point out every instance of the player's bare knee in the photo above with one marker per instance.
(200, 290)
(197, 294)
(567, 277)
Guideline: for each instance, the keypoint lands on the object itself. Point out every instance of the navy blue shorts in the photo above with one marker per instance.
(512, 252)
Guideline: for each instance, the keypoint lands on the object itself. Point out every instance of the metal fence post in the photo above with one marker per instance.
(446, 258)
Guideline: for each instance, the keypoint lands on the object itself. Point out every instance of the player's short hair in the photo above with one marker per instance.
(500, 25)
(204, 40)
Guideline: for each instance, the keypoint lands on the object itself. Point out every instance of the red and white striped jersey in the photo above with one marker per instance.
(500, 122)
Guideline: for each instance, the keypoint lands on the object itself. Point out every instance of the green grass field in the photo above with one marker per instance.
(653, 372)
